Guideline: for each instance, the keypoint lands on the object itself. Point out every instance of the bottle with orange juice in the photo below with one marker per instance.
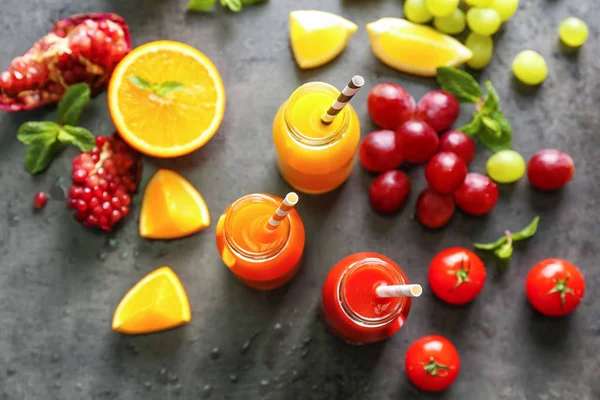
(260, 237)
(316, 134)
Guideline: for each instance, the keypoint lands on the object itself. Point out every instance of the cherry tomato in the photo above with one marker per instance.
(477, 195)
(555, 287)
(432, 363)
(434, 210)
(456, 275)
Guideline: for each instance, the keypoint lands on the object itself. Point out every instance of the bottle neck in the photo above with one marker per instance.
(386, 317)
(244, 244)
(329, 135)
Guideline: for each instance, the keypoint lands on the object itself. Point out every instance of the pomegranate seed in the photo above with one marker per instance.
(79, 175)
(81, 205)
(91, 220)
(72, 203)
(87, 194)
(94, 202)
(97, 211)
(115, 216)
(75, 192)
(40, 199)
(105, 196)
(116, 203)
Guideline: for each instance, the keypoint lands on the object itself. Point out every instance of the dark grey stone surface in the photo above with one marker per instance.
(60, 283)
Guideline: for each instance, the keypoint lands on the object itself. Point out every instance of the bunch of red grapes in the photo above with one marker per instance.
(410, 133)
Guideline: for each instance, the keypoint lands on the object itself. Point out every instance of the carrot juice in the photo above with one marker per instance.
(261, 258)
(352, 309)
(313, 157)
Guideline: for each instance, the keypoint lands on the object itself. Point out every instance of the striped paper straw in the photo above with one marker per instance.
(399, 290)
(291, 199)
(349, 91)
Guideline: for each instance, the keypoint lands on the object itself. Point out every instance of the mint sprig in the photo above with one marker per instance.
(503, 247)
(160, 89)
(45, 139)
(489, 124)
(232, 5)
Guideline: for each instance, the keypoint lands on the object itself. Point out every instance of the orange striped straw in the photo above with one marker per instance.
(291, 199)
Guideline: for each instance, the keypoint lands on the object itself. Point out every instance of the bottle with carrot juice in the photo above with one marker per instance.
(314, 157)
(366, 298)
(260, 237)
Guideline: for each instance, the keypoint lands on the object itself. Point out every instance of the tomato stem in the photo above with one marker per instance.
(562, 289)
(433, 368)
(462, 274)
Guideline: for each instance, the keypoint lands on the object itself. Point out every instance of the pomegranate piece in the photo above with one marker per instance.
(104, 179)
(458, 143)
(550, 169)
(439, 109)
(477, 195)
(434, 210)
(82, 48)
(445, 172)
(389, 191)
(417, 141)
(390, 105)
(40, 199)
(379, 152)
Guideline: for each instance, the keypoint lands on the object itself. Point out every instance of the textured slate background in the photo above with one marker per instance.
(60, 283)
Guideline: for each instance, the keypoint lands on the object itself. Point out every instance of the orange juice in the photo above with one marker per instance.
(260, 258)
(312, 157)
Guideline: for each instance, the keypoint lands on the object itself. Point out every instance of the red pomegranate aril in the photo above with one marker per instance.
(445, 172)
(378, 151)
(97, 211)
(105, 196)
(80, 216)
(72, 203)
(458, 143)
(115, 202)
(87, 194)
(115, 216)
(125, 199)
(477, 195)
(80, 175)
(434, 210)
(124, 210)
(439, 109)
(103, 222)
(40, 199)
(417, 141)
(389, 191)
(550, 169)
(390, 105)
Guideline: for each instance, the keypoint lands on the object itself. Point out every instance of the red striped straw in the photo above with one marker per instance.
(399, 290)
(291, 199)
(344, 98)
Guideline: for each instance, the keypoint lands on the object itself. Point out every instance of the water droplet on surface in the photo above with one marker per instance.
(54, 358)
(246, 346)
(56, 385)
(277, 327)
(112, 243)
(264, 382)
(247, 367)
(136, 253)
(79, 386)
(288, 353)
(304, 353)
(295, 311)
(207, 390)
(173, 378)
(14, 220)
(315, 387)
(279, 386)
(294, 347)
(276, 379)
(66, 312)
(123, 256)
(102, 256)
(148, 385)
(177, 389)
(307, 340)
(215, 353)
(233, 378)
(163, 371)
(137, 266)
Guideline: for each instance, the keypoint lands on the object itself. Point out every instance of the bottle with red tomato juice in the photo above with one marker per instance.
(351, 307)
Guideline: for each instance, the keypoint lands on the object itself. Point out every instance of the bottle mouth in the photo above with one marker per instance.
(302, 137)
(358, 318)
(240, 249)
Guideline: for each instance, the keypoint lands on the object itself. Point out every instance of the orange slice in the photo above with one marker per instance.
(171, 207)
(155, 303)
(172, 124)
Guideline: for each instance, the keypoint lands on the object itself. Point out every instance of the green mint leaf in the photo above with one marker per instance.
(491, 246)
(528, 231)
(77, 136)
(473, 127)
(72, 104)
(252, 2)
(460, 84)
(233, 5)
(491, 101)
(167, 87)
(32, 132)
(201, 5)
(40, 154)
(505, 251)
(492, 125)
(493, 139)
(140, 82)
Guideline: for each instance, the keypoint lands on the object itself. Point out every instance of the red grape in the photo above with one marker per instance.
(550, 169)
(458, 143)
(439, 109)
(434, 210)
(390, 105)
(477, 195)
(378, 151)
(389, 191)
(417, 141)
(445, 172)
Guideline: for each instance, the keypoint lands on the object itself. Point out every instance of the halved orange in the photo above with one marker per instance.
(172, 207)
(155, 303)
(173, 124)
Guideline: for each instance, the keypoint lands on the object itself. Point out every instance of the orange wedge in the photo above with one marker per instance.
(171, 207)
(155, 303)
(173, 124)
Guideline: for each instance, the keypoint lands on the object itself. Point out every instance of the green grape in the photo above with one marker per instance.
(530, 67)
(452, 24)
(573, 32)
(416, 11)
(479, 3)
(505, 166)
(506, 8)
(484, 21)
(482, 48)
(441, 8)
